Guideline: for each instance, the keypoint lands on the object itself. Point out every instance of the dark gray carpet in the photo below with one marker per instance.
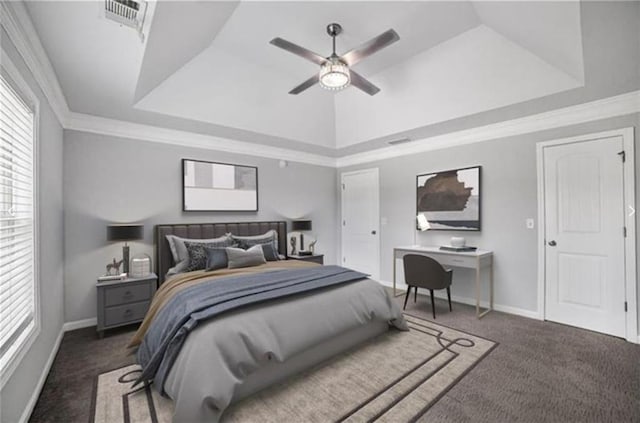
(540, 372)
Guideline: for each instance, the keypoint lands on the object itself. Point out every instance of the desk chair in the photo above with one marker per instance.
(424, 272)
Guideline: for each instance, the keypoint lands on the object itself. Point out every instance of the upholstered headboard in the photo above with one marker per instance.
(164, 259)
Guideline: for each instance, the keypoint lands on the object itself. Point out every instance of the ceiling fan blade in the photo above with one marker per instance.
(306, 84)
(299, 51)
(359, 82)
(373, 45)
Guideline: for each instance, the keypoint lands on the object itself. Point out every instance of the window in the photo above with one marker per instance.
(18, 300)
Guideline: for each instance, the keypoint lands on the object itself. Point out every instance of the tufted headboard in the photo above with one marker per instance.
(164, 259)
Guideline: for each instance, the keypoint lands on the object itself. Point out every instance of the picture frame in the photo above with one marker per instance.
(214, 186)
(451, 200)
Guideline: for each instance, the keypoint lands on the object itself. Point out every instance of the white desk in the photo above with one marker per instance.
(478, 260)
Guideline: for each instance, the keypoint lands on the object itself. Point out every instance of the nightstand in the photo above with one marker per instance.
(123, 302)
(315, 258)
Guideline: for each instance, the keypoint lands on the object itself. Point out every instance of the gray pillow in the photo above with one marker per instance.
(237, 257)
(180, 254)
(216, 258)
(178, 268)
(269, 237)
(270, 253)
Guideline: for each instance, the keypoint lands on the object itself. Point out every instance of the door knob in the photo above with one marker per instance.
(373, 232)
(552, 243)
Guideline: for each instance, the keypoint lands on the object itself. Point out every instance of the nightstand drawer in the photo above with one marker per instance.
(118, 315)
(125, 294)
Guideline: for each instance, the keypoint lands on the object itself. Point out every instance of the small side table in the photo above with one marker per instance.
(314, 258)
(123, 302)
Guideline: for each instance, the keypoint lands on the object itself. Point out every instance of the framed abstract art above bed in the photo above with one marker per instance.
(450, 200)
(211, 186)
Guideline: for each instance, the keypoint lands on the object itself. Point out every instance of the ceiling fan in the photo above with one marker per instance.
(335, 71)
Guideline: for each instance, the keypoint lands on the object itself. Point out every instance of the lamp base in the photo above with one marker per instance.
(125, 259)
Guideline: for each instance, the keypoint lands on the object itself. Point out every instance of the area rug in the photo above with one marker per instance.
(395, 377)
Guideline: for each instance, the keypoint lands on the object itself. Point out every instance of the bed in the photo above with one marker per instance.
(307, 314)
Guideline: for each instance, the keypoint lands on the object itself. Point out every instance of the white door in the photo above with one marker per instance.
(360, 221)
(584, 220)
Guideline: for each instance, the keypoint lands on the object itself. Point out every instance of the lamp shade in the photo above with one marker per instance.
(124, 232)
(301, 225)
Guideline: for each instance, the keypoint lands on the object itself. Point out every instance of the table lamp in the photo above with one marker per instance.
(124, 232)
(301, 226)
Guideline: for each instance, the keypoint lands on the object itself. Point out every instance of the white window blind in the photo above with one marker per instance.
(17, 230)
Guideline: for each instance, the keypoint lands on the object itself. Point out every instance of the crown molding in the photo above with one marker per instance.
(16, 22)
(619, 105)
(15, 19)
(136, 131)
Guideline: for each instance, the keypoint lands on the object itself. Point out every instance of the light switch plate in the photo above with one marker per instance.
(530, 223)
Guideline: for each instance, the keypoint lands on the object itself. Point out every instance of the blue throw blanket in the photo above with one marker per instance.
(181, 314)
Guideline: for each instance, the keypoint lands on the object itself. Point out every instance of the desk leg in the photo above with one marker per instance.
(478, 288)
(491, 283)
(395, 290)
(478, 270)
(395, 294)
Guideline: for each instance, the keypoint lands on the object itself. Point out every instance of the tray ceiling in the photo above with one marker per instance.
(211, 62)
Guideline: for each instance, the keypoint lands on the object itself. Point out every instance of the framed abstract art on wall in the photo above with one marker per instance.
(211, 186)
(450, 200)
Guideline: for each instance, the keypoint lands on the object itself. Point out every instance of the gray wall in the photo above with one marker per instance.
(20, 387)
(109, 179)
(509, 196)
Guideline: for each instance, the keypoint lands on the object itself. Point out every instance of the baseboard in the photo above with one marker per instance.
(26, 414)
(531, 314)
(497, 307)
(80, 324)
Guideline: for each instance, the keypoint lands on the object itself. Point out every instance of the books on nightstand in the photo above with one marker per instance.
(458, 249)
(105, 278)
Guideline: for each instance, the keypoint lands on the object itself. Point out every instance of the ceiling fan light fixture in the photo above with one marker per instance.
(334, 75)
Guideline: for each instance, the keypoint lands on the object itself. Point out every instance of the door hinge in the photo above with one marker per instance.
(625, 306)
(624, 231)
(623, 155)
(344, 259)
(343, 187)
(344, 223)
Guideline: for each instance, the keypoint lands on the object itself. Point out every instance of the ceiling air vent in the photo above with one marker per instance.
(129, 13)
(399, 141)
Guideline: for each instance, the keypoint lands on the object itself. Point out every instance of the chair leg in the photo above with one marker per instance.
(415, 294)
(406, 297)
(433, 304)
(449, 297)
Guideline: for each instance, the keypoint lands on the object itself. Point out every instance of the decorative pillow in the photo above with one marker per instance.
(270, 253)
(179, 250)
(269, 237)
(238, 257)
(216, 258)
(197, 256)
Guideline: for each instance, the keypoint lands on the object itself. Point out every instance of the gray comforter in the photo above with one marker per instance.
(213, 297)
(219, 357)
